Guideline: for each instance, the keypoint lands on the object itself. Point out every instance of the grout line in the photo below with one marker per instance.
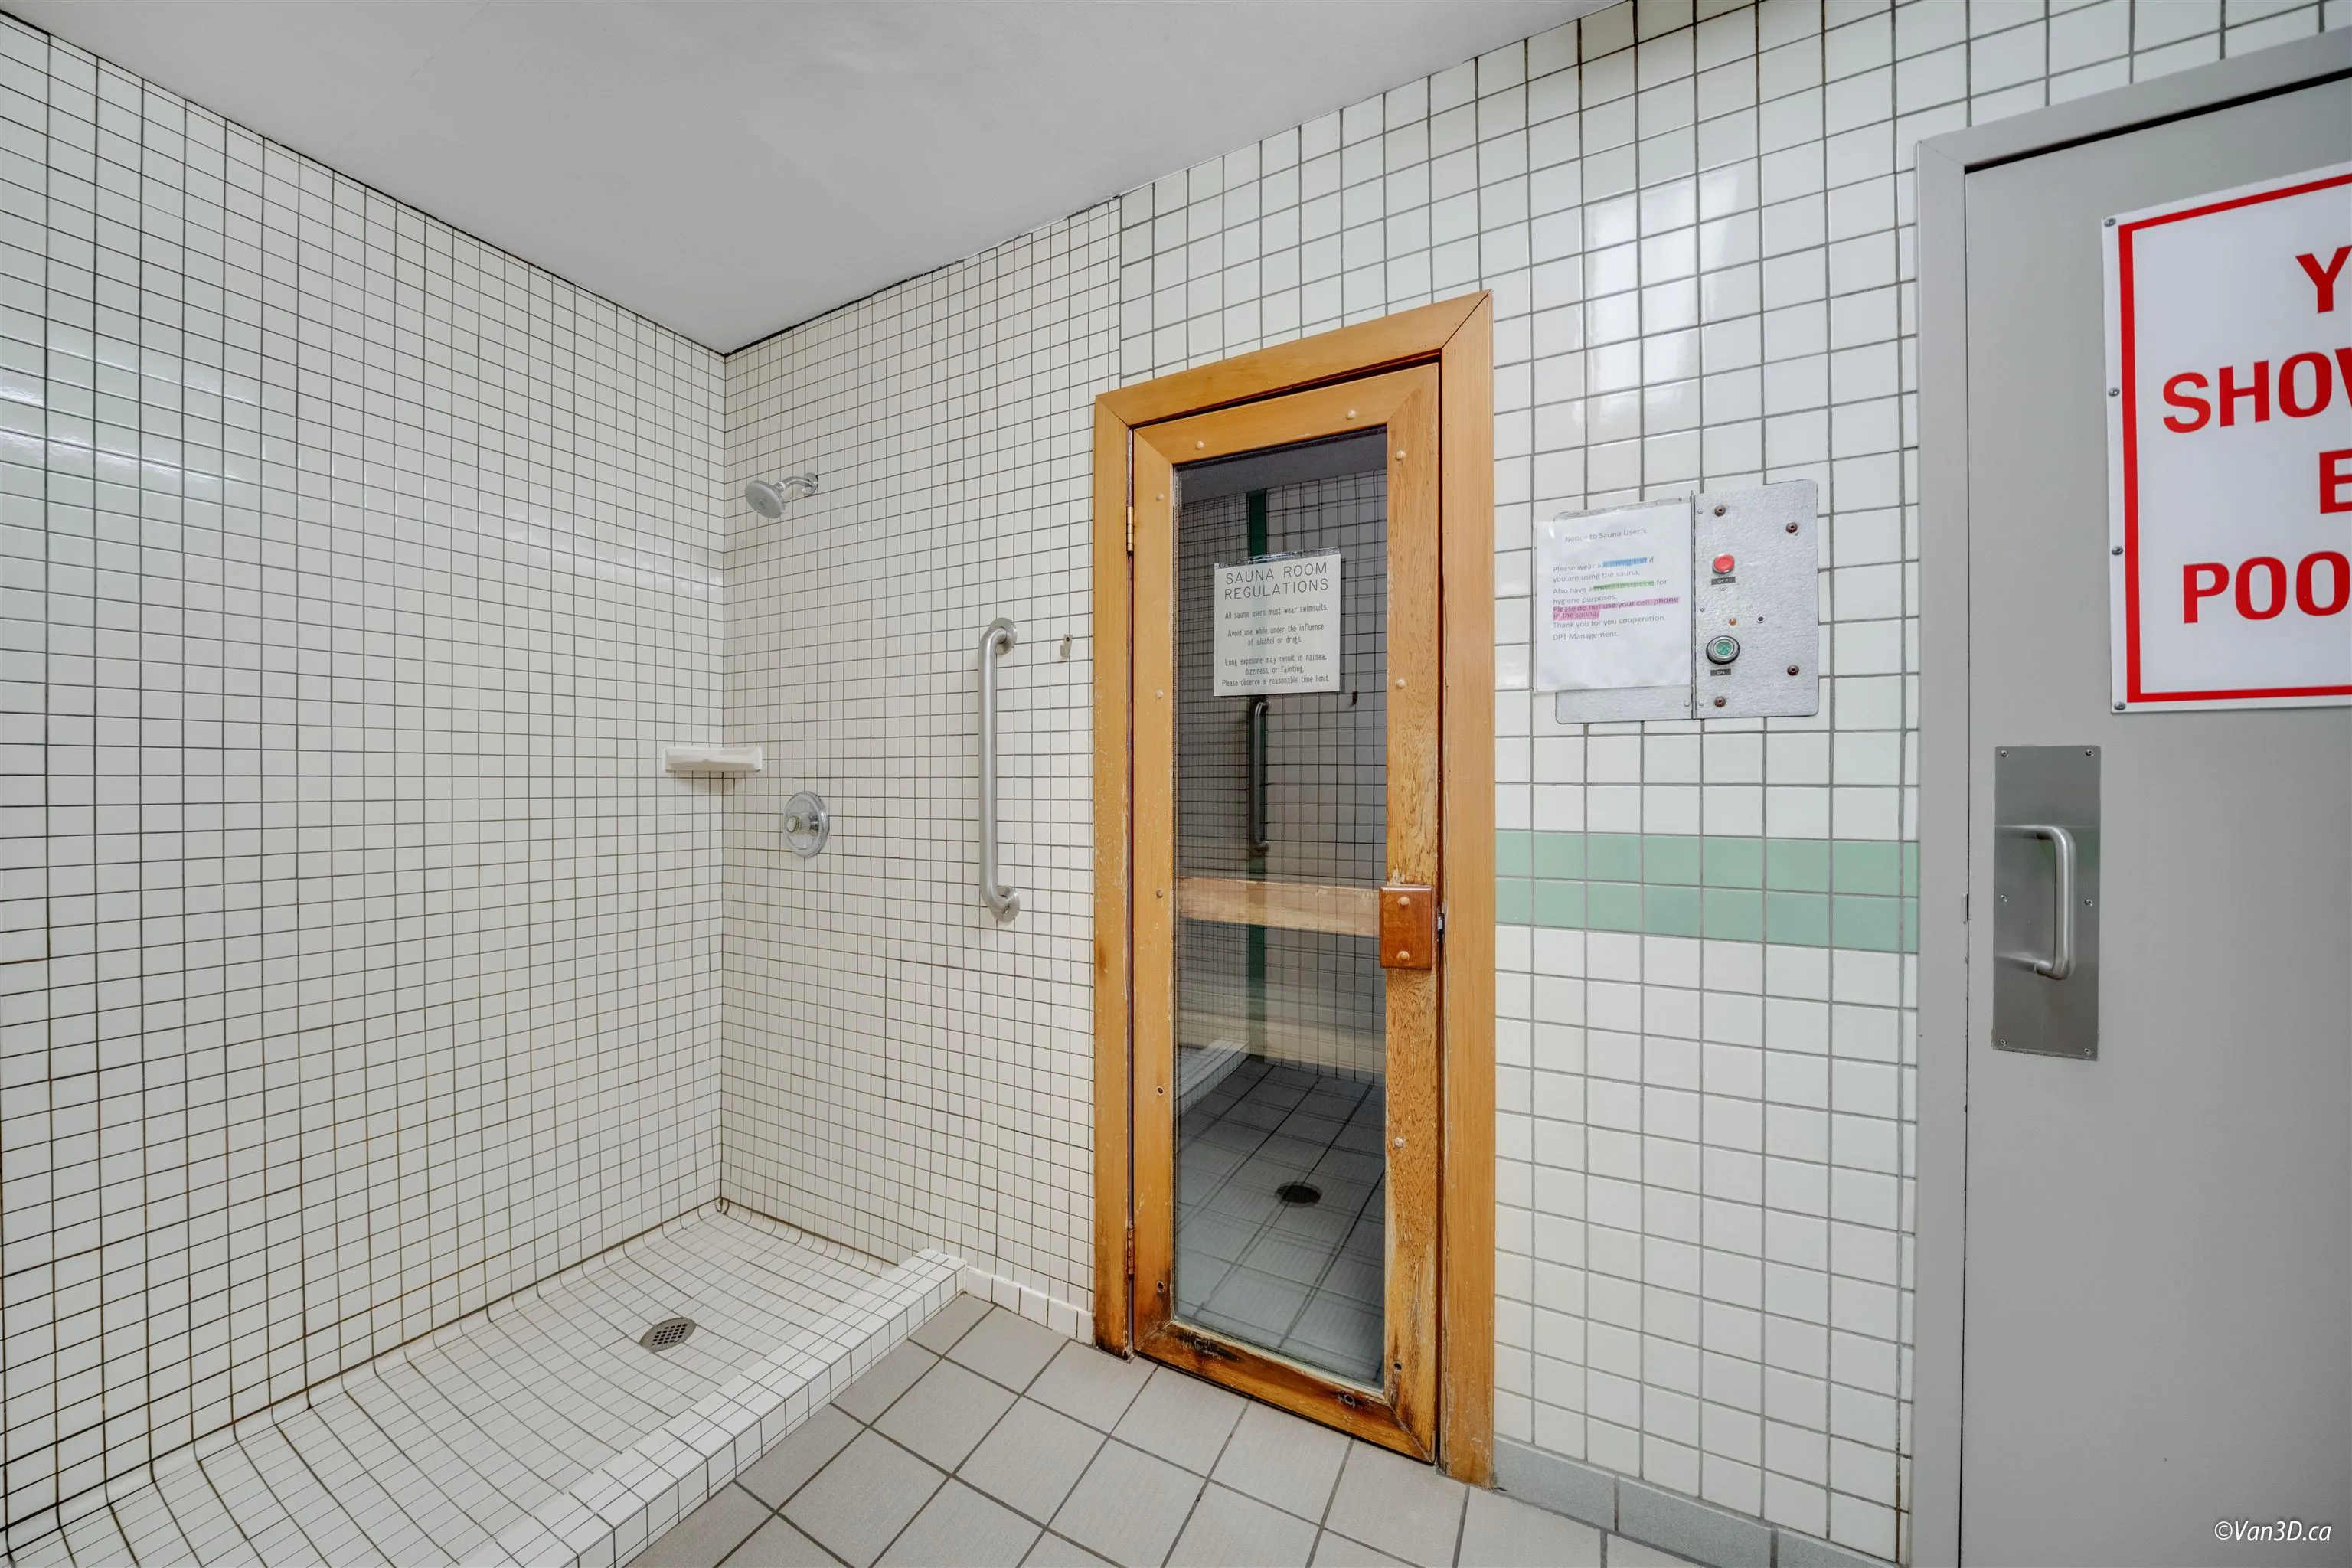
(774, 1513)
(937, 1358)
(928, 1498)
(1330, 1500)
(1205, 1482)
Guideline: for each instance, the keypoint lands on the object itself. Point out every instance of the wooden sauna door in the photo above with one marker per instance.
(1286, 883)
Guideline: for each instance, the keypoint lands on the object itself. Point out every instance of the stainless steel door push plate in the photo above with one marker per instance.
(2046, 889)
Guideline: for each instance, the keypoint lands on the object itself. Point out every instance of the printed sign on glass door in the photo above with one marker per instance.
(1278, 625)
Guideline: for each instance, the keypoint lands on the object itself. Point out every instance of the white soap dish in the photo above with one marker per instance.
(712, 758)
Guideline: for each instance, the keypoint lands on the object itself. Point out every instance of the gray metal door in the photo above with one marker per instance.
(2157, 1321)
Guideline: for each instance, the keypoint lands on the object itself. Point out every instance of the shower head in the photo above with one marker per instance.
(768, 498)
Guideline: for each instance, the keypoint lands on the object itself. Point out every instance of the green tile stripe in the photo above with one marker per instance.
(1807, 893)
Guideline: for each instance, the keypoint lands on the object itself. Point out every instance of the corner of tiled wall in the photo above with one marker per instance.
(357, 961)
(902, 1069)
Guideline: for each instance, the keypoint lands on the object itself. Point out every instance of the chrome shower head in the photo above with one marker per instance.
(768, 498)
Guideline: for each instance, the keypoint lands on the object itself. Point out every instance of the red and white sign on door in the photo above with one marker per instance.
(2230, 447)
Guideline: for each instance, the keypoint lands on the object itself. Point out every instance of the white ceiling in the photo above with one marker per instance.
(730, 168)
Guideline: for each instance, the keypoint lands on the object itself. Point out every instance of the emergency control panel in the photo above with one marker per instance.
(1756, 602)
(1709, 608)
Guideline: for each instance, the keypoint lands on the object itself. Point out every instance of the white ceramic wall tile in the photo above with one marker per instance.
(1696, 219)
(359, 968)
(359, 962)
(903, 1070)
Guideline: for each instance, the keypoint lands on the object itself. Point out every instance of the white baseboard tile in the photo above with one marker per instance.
(1656, 1517)
(1065, 1318)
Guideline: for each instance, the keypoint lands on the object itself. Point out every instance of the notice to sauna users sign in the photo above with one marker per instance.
(1612, 593)
(1278, 625)
(2228, 402)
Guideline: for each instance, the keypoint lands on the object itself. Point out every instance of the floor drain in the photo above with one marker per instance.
(667, 1333)
(1300, 1193)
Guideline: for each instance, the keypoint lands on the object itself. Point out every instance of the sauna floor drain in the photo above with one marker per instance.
(1300, 1193)
(667, 1333)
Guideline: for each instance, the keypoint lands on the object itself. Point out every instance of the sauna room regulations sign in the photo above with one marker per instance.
(1278, 625)
(2229, 395)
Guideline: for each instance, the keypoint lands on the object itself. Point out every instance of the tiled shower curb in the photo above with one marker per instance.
(613, 1512)
(1668, 1520)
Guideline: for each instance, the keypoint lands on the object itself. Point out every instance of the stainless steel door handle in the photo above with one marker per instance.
(1002, 900)
(2061, 961)
(2045, 970)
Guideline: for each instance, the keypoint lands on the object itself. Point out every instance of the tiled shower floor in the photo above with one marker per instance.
(1302, 1280)
(542, 1409)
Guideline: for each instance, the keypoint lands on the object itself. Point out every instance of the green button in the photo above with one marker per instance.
(1723, 650)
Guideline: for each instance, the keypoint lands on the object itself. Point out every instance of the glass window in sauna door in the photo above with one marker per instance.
(1281, 829)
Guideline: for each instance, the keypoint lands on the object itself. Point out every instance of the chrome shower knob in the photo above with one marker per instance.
(807, 824)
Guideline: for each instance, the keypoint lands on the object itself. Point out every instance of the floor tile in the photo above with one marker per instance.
(1053, 1551)
(883, 1381)
(945, 1414)
(1092, 1385)
(1008, 1349)
(1259, 1132)
(1032, 1458)
(1335, 1550)
(1129, 1507)
(959, 1526)
(779, 1545)
(862, 1499)
(782, 1470)
(1624, 1553)
(708, 1534)
(1256, 1307)
(1180, 1419)
(1339, 1335)
(1230, 1531)
(951, 1323)
(1403, 1508)
(1276, 1457)
(1504, 1532)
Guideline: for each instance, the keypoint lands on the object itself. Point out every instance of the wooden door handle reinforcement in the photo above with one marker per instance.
(1408, 927)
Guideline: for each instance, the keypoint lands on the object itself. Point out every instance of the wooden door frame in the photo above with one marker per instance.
(1456, 336)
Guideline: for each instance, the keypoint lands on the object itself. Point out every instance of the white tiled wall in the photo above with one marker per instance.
(359, 966)
(901, 1070)
(357, 961)
(1696, 222)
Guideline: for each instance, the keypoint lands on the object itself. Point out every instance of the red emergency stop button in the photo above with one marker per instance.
(1723, 565)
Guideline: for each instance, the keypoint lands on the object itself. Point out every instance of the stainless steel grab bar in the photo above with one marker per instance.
(2061, 961)
(1002, 900)
(1258, 844)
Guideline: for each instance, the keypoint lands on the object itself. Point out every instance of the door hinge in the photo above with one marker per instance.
(1441, 922)
(1131, 1252)
(1130, 531)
